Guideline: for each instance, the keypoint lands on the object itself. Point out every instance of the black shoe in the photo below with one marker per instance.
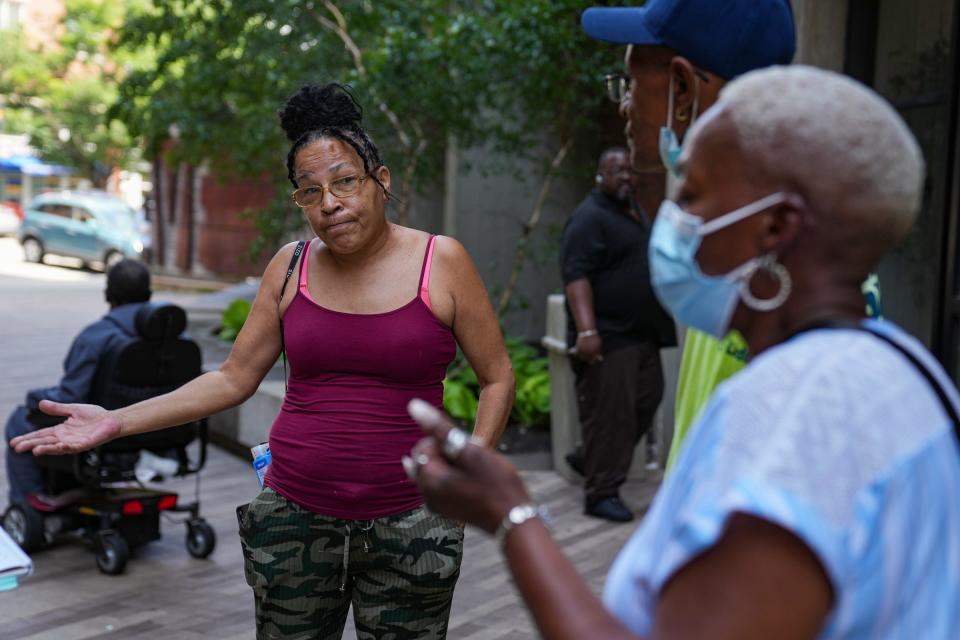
(611, 508)
(575, 460)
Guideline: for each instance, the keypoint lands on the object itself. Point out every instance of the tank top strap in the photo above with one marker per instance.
(303, 270)
(425, 273)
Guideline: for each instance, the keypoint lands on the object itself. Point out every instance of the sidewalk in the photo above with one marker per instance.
(167, 594)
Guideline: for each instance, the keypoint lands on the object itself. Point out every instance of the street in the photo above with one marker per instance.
(167, 594)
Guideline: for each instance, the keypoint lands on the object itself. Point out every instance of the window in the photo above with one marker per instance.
(11, 13)
(81, 215)
(54, 209)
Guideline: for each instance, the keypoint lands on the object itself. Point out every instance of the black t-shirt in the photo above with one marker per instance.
(603, 243)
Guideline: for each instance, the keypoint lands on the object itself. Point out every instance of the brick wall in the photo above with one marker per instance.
(224, 236)
(200, 229)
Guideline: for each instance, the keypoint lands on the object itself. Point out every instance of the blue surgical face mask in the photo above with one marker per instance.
(670, 146)
(697, 300)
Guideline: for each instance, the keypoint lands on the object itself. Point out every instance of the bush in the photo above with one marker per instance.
(532, 405)
(232, 319)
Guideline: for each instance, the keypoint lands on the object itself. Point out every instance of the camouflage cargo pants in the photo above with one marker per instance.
(307, 569)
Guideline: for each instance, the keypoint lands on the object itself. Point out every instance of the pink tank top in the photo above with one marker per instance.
(337, 442)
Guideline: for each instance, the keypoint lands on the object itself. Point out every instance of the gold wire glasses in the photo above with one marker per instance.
(340, 188)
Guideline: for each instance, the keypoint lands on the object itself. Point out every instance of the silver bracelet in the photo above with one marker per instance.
(587, 333)
(516, 517)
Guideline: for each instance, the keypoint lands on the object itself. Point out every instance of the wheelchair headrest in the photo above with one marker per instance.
(161, 320)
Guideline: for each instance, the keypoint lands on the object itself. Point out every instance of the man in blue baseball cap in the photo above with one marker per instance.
(680, 54)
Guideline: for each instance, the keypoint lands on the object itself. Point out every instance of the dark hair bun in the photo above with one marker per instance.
(313, 108)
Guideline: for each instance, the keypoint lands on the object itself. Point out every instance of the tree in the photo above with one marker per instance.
(518, 78)
(60, 95)
(553, 92)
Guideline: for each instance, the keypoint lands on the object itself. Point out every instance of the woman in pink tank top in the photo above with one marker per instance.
(371, 321)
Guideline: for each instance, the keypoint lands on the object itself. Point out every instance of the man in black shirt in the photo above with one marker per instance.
(616, 328)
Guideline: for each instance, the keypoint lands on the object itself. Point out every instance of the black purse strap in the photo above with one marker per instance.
(286, 279)
(921, 368)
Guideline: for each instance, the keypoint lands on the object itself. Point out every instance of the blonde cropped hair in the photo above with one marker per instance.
(842, 145)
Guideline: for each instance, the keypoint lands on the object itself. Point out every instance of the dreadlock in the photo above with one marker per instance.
(330, 111)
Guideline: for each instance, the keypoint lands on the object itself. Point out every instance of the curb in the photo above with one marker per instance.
(176, 283)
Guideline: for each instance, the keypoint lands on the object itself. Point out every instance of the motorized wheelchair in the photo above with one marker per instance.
(97, 493)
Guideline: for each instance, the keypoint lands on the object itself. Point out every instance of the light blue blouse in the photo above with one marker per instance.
(837, 438)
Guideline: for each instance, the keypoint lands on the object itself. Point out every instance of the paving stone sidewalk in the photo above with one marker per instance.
(167, 594)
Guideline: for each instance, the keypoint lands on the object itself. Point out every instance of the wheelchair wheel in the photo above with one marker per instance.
(25, 526)
(200, 538)
(112, 552)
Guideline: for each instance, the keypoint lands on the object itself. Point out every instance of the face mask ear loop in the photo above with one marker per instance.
(739, 214)
(696, 100)
(670, 104)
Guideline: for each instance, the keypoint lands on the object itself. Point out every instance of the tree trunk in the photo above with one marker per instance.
(520, 255)
(406, 184)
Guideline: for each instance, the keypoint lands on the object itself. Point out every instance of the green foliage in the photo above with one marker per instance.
(232, 319)
(60, 95)
(460, 400)
(532, 405)
(497, 73)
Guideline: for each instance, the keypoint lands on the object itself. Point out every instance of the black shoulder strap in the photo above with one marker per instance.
(938, 389)
(948, 406)
(286, 279)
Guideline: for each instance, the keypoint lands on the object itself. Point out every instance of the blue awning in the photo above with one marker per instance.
(32, 166)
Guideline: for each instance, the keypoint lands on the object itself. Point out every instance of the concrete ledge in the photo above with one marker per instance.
(249, 424)
(564, 418)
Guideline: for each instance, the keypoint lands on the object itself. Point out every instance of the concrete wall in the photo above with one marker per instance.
(494, 211)
(821, 32)
(910, 71)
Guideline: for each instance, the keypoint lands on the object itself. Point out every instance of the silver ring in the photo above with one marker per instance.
(455, 443)
(421, 459)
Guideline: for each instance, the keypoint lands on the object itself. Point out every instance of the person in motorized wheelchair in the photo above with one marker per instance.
(134, 352)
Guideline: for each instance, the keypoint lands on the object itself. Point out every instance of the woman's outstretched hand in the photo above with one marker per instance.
(86, 427)
(475, 485)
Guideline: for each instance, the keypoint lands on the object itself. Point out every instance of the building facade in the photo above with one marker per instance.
(908, 51)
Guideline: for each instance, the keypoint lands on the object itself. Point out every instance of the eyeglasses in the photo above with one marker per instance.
(339, 188)
(619, 85)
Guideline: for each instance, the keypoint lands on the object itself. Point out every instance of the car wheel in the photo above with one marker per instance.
(32, 250)
(113, 257)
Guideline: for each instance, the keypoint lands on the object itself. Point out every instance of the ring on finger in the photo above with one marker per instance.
(455, 443)
(421, 459)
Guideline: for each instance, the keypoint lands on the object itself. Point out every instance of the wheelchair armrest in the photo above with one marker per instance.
(41, 420)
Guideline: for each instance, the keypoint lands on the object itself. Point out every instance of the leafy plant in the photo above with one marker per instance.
(532, 405)
(459, 400)
(232, 319)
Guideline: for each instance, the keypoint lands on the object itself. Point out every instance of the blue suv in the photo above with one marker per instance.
(93, 226)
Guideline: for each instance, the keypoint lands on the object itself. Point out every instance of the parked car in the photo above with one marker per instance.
(9, 220)
(94, 226)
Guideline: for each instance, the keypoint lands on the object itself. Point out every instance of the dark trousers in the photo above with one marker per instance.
(24, 474)
(617, 399)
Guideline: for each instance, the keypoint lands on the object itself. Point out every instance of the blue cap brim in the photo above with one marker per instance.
(620, 25)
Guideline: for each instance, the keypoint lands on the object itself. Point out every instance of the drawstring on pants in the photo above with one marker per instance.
(366, 538)
(346, 560)
(346, 550)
